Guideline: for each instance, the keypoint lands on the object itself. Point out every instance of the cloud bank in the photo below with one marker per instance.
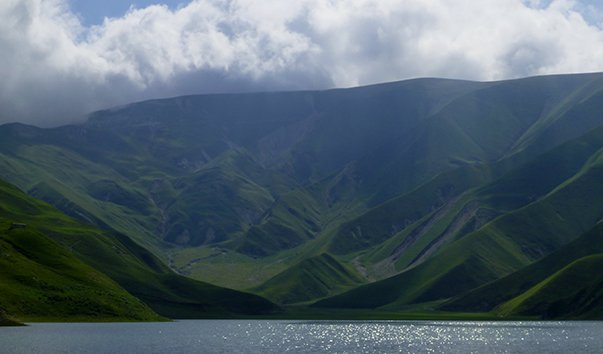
(53, 70)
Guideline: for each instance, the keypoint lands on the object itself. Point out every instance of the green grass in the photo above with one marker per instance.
(384, 221)
(236, 189)
(312, 278)
(42, 281)
(489, 296)
(52, 240)
(571, 115)
(46, 172)
(574, 291)
(502, 246)
(5, 320)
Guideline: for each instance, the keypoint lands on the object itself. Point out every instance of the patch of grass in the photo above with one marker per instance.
(507, 244)
(60, 255)
(312, 278)
(384, 221)
(574, 291)
(41, 279)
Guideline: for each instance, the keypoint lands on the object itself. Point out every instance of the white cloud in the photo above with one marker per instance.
(54, 70)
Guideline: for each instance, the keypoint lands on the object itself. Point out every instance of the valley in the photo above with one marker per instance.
(425, 196)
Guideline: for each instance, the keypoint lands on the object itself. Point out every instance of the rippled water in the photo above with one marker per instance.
(237, 336)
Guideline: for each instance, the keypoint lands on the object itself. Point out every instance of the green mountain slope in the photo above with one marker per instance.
(43, 280)
(312, 278)
(152, 151)
(489, 296)
(575, 291)
(72, 249)
(5, 320)
(445, 184)
(511, 241)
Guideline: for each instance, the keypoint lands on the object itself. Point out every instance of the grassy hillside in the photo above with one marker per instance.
(489, 296)
(575, 291)
(382, 222)
(53, 242)
(409, 228)
(154, 153)
(5, 320)
(43, 280)
(452, 183)
(312, 278)
(508, 243)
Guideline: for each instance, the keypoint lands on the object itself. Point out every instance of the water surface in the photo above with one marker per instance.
(244, 336)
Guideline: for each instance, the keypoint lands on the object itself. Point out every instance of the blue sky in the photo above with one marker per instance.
(59, 60)
(92, 12)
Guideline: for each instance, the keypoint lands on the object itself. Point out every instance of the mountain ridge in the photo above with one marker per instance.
(243, 189)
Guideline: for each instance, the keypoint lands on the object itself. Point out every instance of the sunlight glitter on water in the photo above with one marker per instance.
(235, 336)
(428, 337)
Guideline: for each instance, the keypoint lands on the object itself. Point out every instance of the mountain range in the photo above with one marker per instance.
(436, 195)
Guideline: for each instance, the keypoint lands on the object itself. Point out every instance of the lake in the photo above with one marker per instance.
(258, 336)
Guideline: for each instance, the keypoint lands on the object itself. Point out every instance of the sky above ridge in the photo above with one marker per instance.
(60, 59)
